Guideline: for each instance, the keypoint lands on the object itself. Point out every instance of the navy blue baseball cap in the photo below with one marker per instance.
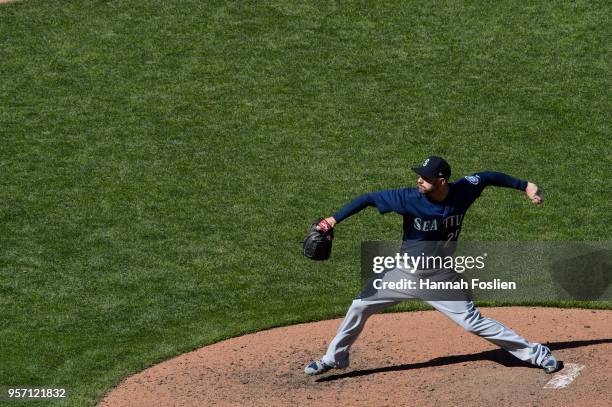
(433, 167)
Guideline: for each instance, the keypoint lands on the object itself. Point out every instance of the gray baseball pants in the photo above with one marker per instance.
(462, 312)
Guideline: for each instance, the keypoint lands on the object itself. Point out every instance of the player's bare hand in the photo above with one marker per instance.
(326, 224)
(533, 192)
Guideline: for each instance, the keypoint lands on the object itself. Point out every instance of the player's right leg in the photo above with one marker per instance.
(468, 316)
(337, 355)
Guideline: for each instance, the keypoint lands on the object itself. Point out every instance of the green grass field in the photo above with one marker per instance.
(161, 161)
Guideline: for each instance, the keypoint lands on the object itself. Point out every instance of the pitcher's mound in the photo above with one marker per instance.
(413, 358)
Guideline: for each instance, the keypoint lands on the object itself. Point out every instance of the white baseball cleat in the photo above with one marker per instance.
(319, 367)
(550, 364)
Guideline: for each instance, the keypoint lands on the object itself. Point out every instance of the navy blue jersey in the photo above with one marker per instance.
(426, 220)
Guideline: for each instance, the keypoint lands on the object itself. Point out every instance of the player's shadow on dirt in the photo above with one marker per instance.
(497, 355)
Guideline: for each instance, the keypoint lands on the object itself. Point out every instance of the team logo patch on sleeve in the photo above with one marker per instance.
(474, 179)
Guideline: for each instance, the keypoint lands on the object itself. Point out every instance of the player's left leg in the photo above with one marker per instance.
(351, 326)
(371, 301)
(468, 316)
(337, 355)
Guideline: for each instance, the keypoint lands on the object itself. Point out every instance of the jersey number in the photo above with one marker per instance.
(452, 236)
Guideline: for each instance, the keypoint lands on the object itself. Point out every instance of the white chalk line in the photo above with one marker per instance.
(563, 379)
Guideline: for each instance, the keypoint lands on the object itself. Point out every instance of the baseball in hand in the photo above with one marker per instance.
(533, 193)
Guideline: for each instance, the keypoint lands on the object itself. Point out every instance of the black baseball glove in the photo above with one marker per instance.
(318, 242)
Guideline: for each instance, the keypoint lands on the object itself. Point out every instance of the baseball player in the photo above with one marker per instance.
(426, 211)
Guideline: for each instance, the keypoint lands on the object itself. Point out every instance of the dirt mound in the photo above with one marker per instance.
(413, 358)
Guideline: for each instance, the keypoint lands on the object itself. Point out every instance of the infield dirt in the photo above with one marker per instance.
(413, 358)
